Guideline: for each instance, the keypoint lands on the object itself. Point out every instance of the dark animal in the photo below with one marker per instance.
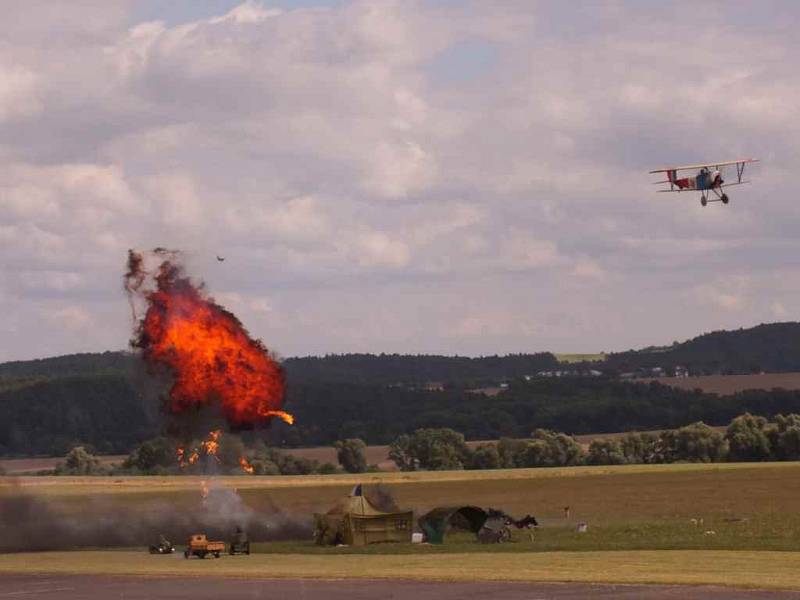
(527, 522)
(220, 258)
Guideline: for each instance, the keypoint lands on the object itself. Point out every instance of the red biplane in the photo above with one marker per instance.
(708, 179)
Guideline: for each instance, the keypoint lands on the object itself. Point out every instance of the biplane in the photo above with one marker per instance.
(708, 180)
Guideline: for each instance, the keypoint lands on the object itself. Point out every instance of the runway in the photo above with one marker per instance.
(73, 587)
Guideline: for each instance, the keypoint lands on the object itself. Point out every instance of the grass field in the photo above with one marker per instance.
(639, 525)
(748, 506)
(576, 358)
(769, 570)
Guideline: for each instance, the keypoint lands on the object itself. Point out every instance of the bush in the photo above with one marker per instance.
(605, 452)
(551, 449)
(431, 449)
(79, 462)
(694, 443)
(350, 454)
(641, 448)
(784, 437)
(747, 438)
(328, 469)
(510, 452)
(151, 454)
(485, 456)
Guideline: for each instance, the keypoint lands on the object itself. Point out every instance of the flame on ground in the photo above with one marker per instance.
(209, 353)
(246, 466)
(209, 447)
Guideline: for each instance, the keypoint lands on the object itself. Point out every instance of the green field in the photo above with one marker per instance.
(576, 358)
(748, 512)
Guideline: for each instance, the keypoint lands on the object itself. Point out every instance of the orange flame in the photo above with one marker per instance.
(209, 352)
(209, 447)
(246, 466)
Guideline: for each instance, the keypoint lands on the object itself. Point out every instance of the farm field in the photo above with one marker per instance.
(731, 384)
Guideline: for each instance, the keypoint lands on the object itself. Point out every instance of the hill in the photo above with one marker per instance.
(771, 348)
(50, 404)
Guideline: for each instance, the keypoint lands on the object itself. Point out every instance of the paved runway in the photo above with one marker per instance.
(74, 587)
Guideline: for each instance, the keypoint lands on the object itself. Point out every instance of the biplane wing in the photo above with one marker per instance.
(724, 185)
(725, 163)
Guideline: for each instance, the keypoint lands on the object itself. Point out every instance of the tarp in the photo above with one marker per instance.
(435, 523)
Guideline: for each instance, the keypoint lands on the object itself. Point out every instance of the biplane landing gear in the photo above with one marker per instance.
(703, 201)
(724, 198)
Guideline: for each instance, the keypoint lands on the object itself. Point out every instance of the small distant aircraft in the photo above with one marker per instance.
(706, 181)
(220, 258)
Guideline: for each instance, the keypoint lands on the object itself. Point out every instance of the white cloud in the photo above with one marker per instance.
(377, 249)
(72, 318)
(729, 294)
(319, 151)
(18, 91)
(522, 251)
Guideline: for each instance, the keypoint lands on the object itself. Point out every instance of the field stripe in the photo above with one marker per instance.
(112, 485)
(768, 570)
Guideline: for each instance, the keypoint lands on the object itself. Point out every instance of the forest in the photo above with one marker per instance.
(108, 401)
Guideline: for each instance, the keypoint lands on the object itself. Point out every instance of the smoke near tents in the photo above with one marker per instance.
(29, 523)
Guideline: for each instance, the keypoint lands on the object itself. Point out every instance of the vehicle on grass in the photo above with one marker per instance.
(239, 543)
(199, 545)
(164, 546)
(707, 181)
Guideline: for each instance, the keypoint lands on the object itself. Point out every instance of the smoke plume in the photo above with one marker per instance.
(31, 523)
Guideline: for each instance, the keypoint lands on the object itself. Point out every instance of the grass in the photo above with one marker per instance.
(576, 358)
(749, 506)
(639, 525)
(769, 570)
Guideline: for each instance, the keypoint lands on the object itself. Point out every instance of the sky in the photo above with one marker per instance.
(398, 176)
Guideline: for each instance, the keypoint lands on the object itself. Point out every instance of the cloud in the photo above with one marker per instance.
(377, 249)
(729, 294)
(73, 318)
(366, 167)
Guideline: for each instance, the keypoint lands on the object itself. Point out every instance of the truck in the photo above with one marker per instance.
(199, 545)
(239, 543)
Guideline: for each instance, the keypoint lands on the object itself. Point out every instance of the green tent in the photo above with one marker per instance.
(435, 523)
(356, 522)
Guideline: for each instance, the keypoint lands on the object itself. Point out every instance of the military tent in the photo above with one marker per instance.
(357, 522)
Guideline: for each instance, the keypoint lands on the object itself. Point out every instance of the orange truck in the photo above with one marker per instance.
(199, 545)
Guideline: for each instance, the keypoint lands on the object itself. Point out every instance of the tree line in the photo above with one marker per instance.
(109, 413)
(747, 438)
